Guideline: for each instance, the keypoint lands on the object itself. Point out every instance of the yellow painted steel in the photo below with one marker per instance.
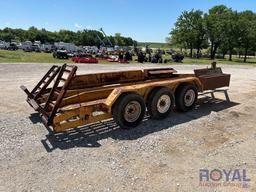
(89, 98)
(145, 88)
(72, 117)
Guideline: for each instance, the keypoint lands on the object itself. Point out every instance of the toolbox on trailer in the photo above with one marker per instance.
(212, 78)
(66, 100)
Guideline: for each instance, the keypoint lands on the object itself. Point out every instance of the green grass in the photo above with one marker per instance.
(20, 56)
(32, 57)
(235, 60)
(154, 45)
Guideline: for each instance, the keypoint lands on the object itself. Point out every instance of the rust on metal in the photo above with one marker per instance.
(212, 78)
(160, 72)
(66, 100)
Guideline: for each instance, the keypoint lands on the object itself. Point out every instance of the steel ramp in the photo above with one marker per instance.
(50, 107)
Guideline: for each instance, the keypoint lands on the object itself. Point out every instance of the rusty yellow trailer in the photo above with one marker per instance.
(66, 100)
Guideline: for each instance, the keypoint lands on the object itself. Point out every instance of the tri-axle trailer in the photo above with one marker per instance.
(66, 100)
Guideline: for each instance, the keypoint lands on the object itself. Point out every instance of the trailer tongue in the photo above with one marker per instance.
(66, 100)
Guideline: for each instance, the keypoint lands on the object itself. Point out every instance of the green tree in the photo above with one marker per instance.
(112, 40)
(7, 34)
(247, 31)
(216, 26)
(119, 40)
(230, 33)
(83, 37)
(189, 31)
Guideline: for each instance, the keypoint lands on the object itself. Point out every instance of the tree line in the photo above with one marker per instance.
(221, 30)
(81, 37)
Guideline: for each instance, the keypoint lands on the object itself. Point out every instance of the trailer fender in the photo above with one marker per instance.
(152, 91)
(198, 84)
(116, 93)
(195, 82)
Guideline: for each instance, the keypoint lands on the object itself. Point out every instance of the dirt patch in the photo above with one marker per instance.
(161, 155)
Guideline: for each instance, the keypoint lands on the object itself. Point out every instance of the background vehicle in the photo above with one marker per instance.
(84, 59)
(3, 45)
(13, 46)
(60, 54)
(36, 48)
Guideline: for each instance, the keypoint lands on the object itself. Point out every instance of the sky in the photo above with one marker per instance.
(143, 20)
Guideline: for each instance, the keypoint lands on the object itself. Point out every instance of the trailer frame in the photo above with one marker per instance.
(85, 99)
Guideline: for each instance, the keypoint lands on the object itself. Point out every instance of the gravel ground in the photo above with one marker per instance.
(161, 155)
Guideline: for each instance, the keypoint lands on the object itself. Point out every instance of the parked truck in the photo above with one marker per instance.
(66, 100)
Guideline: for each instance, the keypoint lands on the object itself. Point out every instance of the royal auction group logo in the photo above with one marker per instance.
(223, 178)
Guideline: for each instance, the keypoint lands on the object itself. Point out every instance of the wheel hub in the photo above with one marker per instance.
(189, 97)
(132, 111)
(164, 104)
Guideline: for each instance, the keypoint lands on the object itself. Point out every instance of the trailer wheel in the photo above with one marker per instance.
(160, 103)
(185, 97)
(129, 110)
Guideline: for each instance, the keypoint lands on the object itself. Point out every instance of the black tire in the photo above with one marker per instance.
(164, 95)
(186, 97)
(121, 113)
